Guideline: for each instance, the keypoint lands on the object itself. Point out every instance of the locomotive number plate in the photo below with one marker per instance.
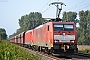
(64, 40)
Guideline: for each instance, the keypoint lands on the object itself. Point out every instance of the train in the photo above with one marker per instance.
(52, 37)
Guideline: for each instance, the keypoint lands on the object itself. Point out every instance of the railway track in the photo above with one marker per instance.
(42, 55)
(81, 56)
(45, 56)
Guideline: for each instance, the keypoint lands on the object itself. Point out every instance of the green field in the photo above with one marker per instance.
(84, 48)
(85, 51)
(9, 51)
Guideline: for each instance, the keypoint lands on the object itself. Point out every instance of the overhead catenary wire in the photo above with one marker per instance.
(83, 7)
(45, 5)
(75, 5)
(79, 6)
(46, 9)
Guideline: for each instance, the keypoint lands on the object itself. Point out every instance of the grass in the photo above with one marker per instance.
(85, 51)
(84, 48)
(9, 51)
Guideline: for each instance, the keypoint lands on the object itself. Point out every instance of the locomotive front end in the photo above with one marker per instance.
(65, 38)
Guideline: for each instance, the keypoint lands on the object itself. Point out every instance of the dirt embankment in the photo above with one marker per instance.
(83, 47)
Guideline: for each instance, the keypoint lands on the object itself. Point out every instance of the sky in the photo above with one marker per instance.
(12, 10)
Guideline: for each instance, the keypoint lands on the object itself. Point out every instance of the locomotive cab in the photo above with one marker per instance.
(65, 38)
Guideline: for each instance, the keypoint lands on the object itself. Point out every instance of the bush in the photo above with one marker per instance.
(9, 51)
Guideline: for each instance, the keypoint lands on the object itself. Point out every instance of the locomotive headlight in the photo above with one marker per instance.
(56, 41)
(72, 41)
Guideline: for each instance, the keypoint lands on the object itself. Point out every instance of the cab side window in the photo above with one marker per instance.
(48, 27)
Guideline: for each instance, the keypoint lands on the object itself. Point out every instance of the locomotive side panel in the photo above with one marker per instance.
(28, 37)
(49, 35)
(39, 36)
(43, 36)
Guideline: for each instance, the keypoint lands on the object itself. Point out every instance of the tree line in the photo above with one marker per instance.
(34, 19)
(3, 34)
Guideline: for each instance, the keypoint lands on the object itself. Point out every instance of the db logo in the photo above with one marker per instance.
(63, 34)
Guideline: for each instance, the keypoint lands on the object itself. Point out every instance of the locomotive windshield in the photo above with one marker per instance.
(63, 27)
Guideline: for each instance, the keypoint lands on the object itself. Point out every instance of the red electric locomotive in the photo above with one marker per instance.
(56, 37)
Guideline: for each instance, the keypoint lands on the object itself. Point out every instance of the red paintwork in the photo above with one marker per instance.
(43, 35)
(28, 36)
